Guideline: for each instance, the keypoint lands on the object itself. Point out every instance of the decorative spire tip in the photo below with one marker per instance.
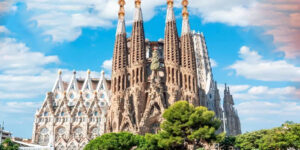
(185, 12)
(122, 10)
(170, 3)
(59, 72)
(138, 3)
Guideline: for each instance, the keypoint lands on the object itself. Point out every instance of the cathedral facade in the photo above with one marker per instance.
(73, 113)
(147, 77)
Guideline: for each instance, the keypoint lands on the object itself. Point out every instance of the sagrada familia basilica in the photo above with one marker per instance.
(147, 77)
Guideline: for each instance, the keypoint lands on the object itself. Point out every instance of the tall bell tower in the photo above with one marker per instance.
(188, 60)
(137, 66)
(119, 74)
(172, 56)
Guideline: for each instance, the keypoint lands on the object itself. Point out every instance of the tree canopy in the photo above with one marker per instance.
(284, 137)
(114, 141)
(7, 144)
(185, 127)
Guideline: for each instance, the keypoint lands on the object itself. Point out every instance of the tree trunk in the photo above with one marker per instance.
(191, 147)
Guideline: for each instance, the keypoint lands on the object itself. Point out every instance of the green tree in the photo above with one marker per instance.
(250, 141)
(292, 135)
(149, 142)
(8, 145)
(115, 141)
(284, 137)
(186, 126)
(227, 142)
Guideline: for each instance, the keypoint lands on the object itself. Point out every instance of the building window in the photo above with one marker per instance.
(45, 113)
(62, 114)
(43, 138)
(72, 96)
(79, 113)
(88, 95)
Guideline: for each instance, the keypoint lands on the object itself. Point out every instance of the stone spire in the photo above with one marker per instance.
(138, 65)
(233, 125)
(119, 77)
(121, 21)
(137, 50)
(188, 60)
(185, 18)
(172, 56)
(120, 55)
(59, 85)
(138, 16)
(170, 11)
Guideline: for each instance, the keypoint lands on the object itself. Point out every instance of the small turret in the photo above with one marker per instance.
(58, 86)
(87, 86)
(73, 86)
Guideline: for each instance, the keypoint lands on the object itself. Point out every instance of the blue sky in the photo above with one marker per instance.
(252, 54)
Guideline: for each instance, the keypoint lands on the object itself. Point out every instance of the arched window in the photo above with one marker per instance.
(95, 113)
(43, 138)
(79, 113)
(62, 114)
(95, 132)
(45, 113)
(77, 134)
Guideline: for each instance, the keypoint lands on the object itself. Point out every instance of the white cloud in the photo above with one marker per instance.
(6, 5)
(279, 18)
(253, 66)
(213, 63)
(291, 109)
(255, 93)
(4, 30)
(19, 107)
(256, 115)
(233, 12)
(17, 59)
(24, 74)
(64, 20)
(107, 65)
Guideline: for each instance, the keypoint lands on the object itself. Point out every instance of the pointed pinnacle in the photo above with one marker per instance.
(170, 3)
(59, 72)
(185, 13)
(122, 10)
(138, 3)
